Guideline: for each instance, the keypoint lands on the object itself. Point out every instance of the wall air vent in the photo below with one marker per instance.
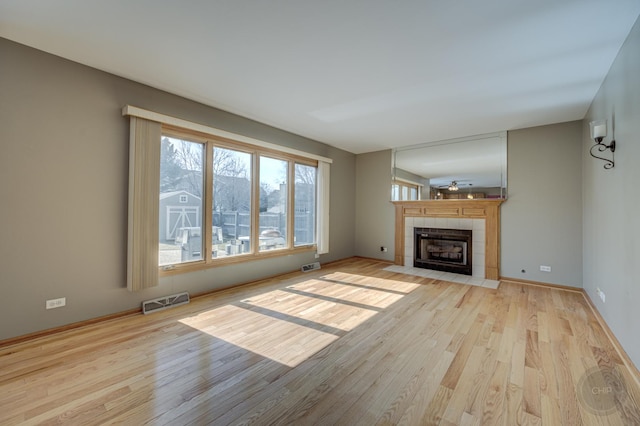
(310, 267)
(165, 302)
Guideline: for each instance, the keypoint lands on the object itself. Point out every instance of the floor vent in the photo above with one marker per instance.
(310, 266)
(162, 303)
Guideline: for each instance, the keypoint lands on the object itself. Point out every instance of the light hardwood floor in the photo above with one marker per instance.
(350, 344)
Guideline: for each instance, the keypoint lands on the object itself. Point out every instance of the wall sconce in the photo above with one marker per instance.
(598, 133)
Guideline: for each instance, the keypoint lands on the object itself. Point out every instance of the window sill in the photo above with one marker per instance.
(241, 258)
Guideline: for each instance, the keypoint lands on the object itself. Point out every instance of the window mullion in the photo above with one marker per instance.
(291, 204)
(255, 203)
(208, 202)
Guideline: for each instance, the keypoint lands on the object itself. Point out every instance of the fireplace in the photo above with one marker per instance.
(447, 250)
(480, 215)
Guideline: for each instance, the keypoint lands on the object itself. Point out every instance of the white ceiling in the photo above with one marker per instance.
(362, 75)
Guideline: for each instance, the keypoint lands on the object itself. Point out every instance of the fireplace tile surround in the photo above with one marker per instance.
(482, 216)
(444, 276)
(477, 226)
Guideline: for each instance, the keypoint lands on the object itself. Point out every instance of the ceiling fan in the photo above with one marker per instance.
(455, 185)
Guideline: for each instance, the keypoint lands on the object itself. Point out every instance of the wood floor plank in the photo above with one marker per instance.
(472, 378)
(454, 372)
(437, 406)
(550, 410)
(494, 411)
(419, 405)
(349, 344)
(531, 392)
(414, 393)
(566, 383)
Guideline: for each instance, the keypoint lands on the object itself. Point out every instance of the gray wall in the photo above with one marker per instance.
(375, 213)
(611, 228)
(542, 217)
(63, 185)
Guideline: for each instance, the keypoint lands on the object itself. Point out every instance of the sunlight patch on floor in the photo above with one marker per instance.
(290, 324)
(380, 283)
(279, 340)
(328, 312)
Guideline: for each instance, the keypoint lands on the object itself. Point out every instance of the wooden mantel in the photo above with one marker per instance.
(488, 209)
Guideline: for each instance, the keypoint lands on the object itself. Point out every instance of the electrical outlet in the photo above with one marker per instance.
(317, 256)
(600, 294)
(545, 268)
(56, 303)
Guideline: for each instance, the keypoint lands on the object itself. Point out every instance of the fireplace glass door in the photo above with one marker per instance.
(443, 250)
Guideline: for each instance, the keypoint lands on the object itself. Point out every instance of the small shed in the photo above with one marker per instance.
(178, 209)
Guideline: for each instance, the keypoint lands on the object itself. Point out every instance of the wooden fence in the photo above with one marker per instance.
(238, 224)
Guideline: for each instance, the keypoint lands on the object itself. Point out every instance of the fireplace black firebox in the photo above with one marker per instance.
(443, 250)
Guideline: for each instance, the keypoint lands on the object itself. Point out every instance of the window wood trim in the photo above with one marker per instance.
(256, 152)
(407, 181)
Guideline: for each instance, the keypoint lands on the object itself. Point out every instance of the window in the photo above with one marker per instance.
(305, 204)
(232, 183)
(201, 197)
(248, 193)
(404, 191)
(181, 179)
(395, 192)
(274, 197)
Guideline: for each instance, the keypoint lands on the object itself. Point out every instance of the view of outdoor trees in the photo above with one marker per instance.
(231, 202)
(273, 203)
(181, 165)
